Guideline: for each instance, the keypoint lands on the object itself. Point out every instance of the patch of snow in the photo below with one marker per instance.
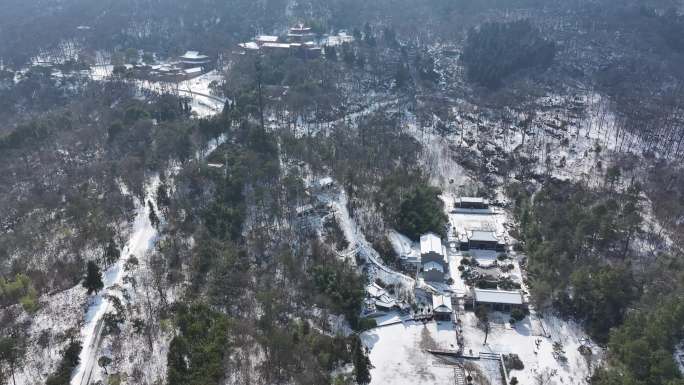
(679, 357)
(58, 314)
(403, 246)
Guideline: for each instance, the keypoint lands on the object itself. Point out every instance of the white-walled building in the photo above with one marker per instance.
(433, 258)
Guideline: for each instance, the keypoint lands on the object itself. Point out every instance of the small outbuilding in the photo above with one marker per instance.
(378, 299)
(193, 59)
(300, 34)
(442, 308)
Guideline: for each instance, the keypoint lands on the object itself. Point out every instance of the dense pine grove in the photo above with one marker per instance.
(577, 240)
(494, 51)
(422, 211)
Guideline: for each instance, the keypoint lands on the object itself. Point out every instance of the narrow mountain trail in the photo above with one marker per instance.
(142, 240)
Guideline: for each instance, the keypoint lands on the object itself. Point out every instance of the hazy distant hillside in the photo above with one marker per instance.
(168, 26)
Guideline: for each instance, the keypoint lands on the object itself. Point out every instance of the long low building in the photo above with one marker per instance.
(499, 300)
(471, 203)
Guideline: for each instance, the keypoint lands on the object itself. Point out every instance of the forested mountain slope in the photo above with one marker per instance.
(147, 237)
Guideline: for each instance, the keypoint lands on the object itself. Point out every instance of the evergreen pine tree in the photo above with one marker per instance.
(112, 253)
(330, 53)
(163, 199)
(93, 279)
(154, 219)
(362, 364)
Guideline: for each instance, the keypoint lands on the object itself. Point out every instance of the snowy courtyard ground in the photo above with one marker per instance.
(522, 338)
(398, 352)
(492, 219)
(398, 356)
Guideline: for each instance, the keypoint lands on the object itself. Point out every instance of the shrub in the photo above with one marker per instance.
(485, 284)
(70, 360)
(19, 290)
(513, 362)
(366, 323)
(30, 301)
(517, 314)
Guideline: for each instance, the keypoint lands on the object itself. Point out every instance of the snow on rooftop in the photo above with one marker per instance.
(338, 39)
(276, 45)
(249, 45)
(483, 236)
(430, 243)
(300, 28)
(267, 38)
(498, 296)
(433, 266)
(374, 290)
(471, 200)
(403, 246)
(193, 55)
(441, 303)
(192, 71)
(385, 302)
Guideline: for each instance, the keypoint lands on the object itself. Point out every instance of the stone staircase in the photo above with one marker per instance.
(459, 376)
